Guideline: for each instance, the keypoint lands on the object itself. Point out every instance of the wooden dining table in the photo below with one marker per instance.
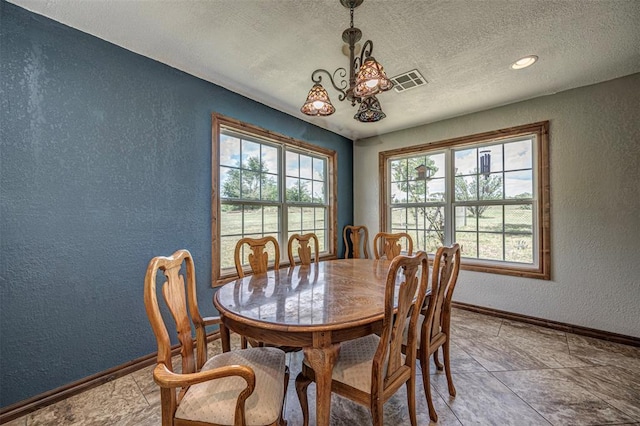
(313, 307)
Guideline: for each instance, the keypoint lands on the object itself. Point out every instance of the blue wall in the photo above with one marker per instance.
(105, 162)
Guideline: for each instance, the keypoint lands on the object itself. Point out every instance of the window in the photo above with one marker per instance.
(267, 184)
(488, 192)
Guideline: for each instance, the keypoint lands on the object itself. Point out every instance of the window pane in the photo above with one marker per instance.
(318, 169)
(250, 155)
(518, 218)
(417, 191)
(518, 184)
(399, 218)
(229, 182)
(270, 159)
(437, 165)
(322, 240)
(250, 185)
(466, 188)
(465, 220)
(308, 220)
(466, 161)
(320, 215)
(271, 220)
(519, 248)
(398, 170)
(304, 196)
(468, 243)
(269, 187)
(491, 158)
(518, 155)
(490, 218)
(432, 241)
(490, 187)
(227, 247)
(252, 217)
(490, 246)
(436, 190)
(305, 167)
(231, 216)
(318, 192)
(229, 151)
(293, 189)
(293, 168)
(295, 219)
(397, 194)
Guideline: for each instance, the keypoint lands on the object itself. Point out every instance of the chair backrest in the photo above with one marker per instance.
(258, 258)
(356, 240)
(179, 290)
(446, 266)
(389, 244)
(411, 272)
(304, 250)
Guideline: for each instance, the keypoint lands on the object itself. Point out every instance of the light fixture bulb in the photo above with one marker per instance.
(525, 62)
(318, 104)
(372, 83)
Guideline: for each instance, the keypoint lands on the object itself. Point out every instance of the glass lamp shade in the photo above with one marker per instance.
(371, 79)
(318, 102)
(370, 110)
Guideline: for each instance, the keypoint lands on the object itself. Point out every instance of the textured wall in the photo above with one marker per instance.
(105, 162)
(595, 205)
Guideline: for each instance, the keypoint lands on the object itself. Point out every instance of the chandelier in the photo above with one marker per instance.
(366, 79)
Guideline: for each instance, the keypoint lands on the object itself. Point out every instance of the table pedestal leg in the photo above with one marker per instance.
(322, 361)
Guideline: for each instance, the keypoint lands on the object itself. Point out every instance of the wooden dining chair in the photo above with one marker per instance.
(259, 257)
(304, 250)
(435, 320)
(242, 387)
(369, 370)
(389, 245)
(356, 240)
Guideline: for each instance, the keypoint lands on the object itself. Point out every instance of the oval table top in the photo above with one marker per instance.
(329, 295)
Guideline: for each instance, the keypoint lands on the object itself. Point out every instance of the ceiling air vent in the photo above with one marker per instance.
(408, 80)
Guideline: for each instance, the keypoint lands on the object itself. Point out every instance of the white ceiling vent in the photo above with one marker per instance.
(408, 80)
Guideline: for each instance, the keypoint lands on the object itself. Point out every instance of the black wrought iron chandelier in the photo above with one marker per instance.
(366, 79)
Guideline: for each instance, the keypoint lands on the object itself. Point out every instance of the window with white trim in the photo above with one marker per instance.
(268, 184)
(487, 192)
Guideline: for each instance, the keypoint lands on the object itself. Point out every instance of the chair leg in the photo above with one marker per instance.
(437, 361)
(426, 383)
(377, 412)
(282, 421)
(243, 342)
(302, 383)
(447, 367)
(411, 400)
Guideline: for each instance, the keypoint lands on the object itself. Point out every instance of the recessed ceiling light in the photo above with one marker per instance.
(527, 61)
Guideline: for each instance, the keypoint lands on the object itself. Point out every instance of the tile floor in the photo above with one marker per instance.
(505, 372)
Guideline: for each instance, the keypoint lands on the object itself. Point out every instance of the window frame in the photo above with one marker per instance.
(219, 123)
(541, 184)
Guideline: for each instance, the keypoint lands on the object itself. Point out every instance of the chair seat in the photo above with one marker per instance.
(355, 362)
(214, 401)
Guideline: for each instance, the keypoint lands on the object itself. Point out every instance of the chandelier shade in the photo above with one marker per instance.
(366, 78)
(371, 79)
(318, 102)
(370, 110)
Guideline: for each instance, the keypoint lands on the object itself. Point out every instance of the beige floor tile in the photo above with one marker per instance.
(561, 400)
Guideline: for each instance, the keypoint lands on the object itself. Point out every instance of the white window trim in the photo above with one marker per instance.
(219, 122)
(541, 220)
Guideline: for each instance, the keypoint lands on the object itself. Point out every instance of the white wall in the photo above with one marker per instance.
(595, 204)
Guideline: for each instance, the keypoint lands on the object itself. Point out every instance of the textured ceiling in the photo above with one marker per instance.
(267, 49)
